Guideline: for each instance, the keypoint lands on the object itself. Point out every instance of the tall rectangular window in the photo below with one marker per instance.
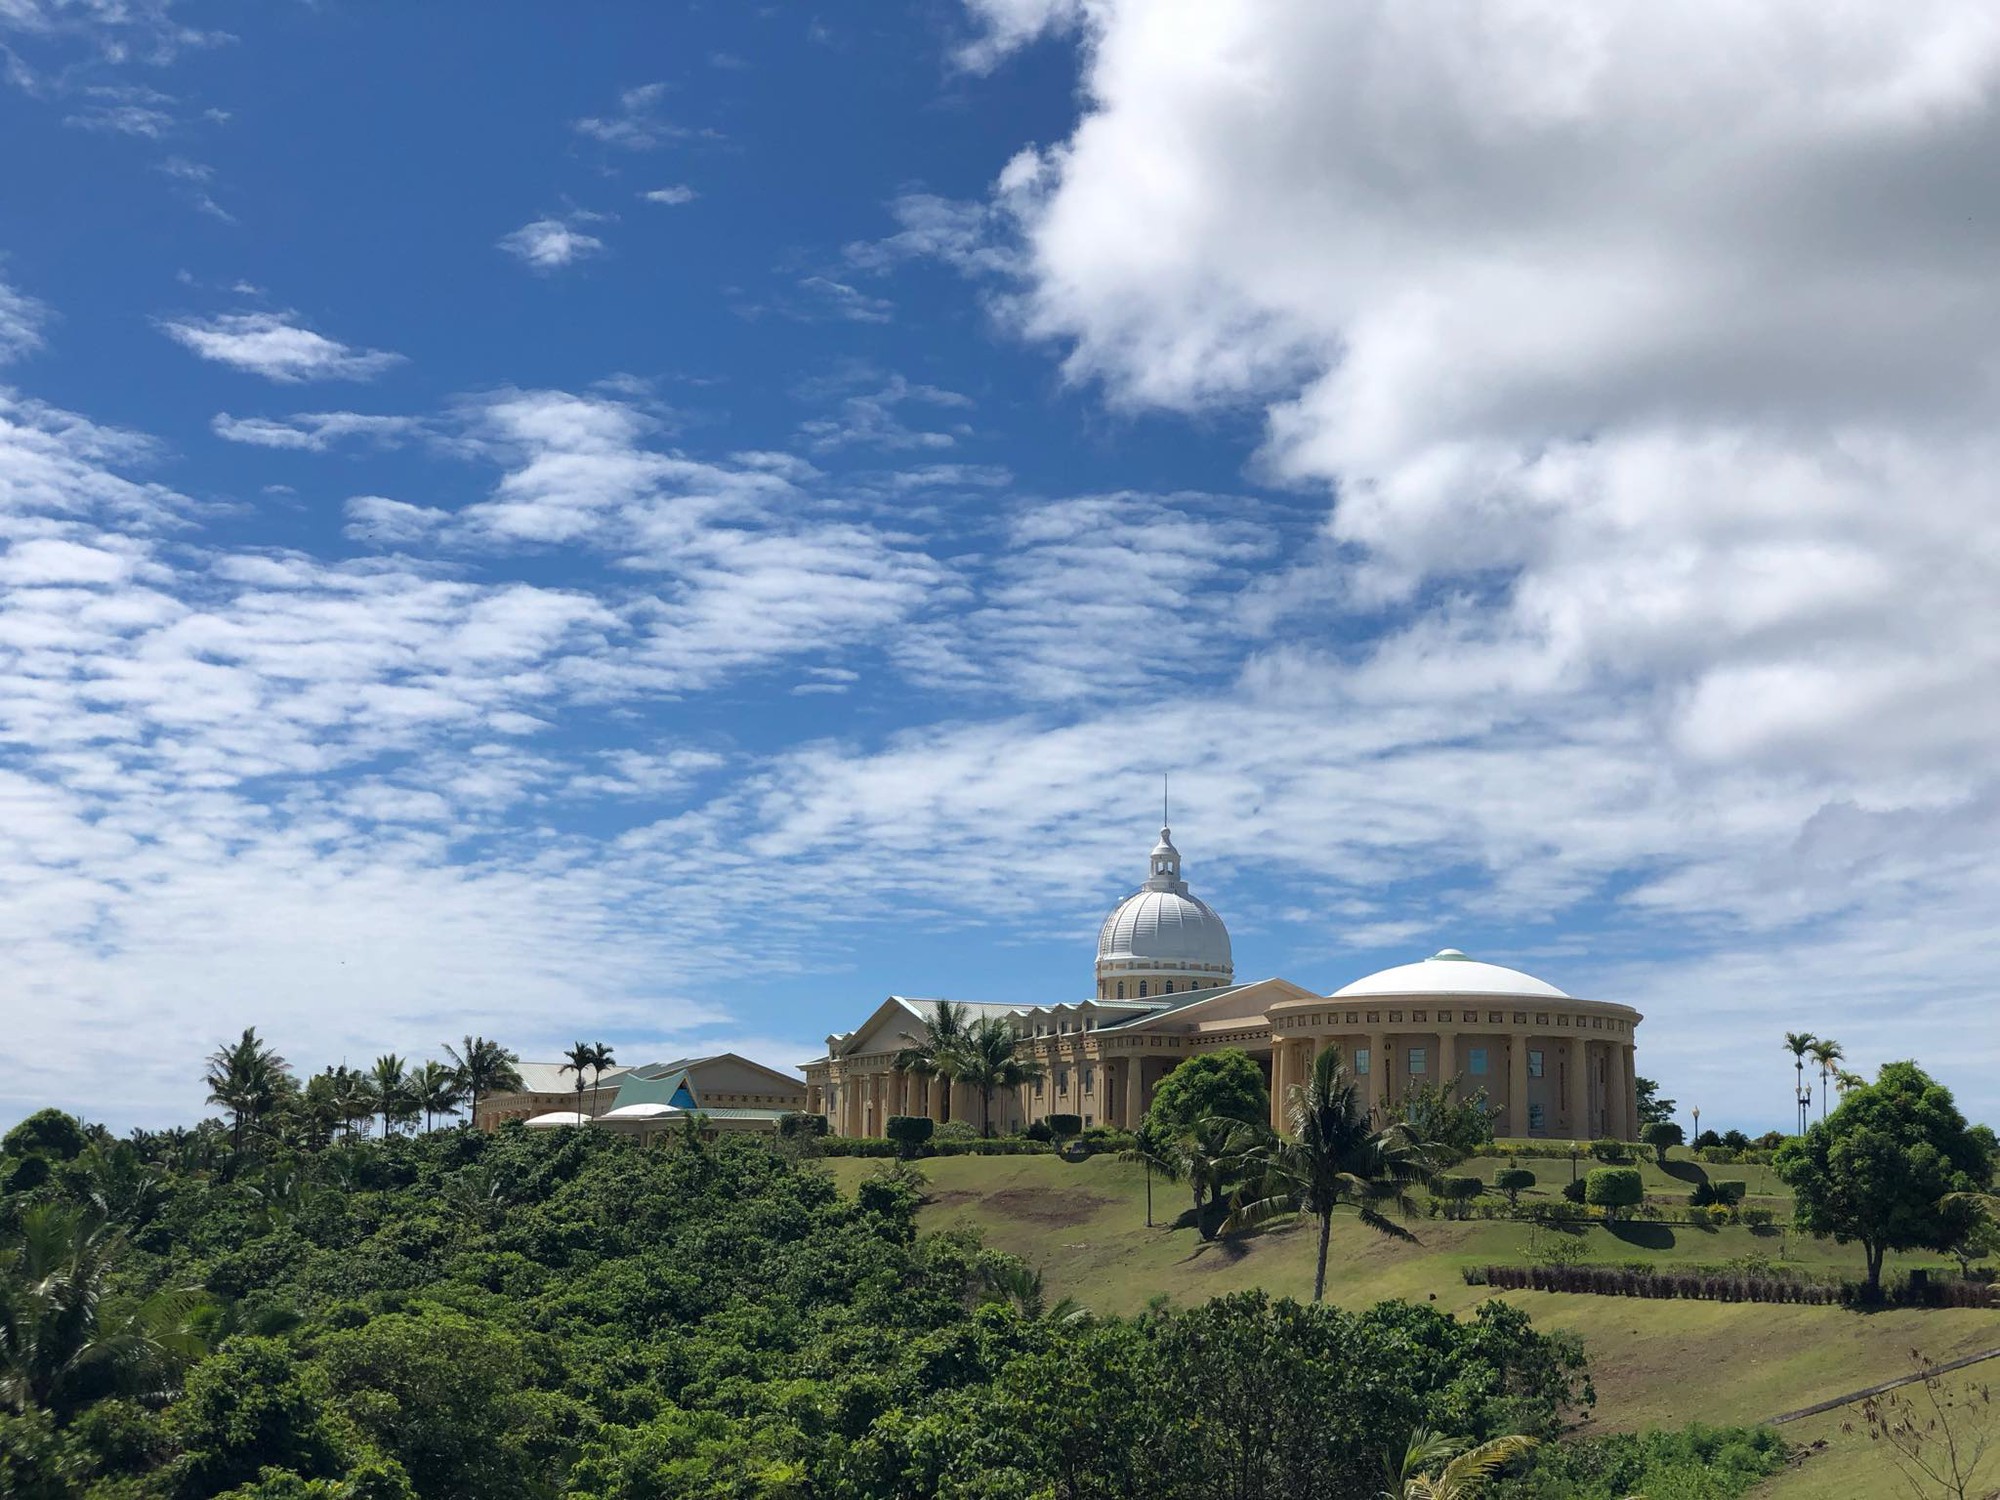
(1475, 1062)
(1360, 1062)
(1416, 1056)
(1534, 1117)
(1534, 1062)
(1089, 1080)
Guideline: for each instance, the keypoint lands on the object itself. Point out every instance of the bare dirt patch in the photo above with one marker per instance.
(1040, 1206)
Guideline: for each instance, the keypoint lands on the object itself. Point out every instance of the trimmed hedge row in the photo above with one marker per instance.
(1726, 1286)
(841, 1145)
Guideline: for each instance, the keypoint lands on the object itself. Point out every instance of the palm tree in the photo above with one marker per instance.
(246, 1078)
(353, 1094)
(1465, 1472)
(1331, 1158)
(1826, 1052)
(600, 1059)
(391, 1077)
(1153, 1158)
(65, 1336)
(1799, 1043)
(1209, 1155)
(988, 1059)
(483, 1067)
(437, 1090)
(935, 1053)
(1844, 1080)
(579, 1063)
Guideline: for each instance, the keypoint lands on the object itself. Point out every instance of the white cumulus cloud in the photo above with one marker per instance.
(276, 346)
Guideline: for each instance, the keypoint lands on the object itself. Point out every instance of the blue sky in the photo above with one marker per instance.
(669, 523)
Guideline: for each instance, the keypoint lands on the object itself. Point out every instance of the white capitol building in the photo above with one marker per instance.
(1551, 1064)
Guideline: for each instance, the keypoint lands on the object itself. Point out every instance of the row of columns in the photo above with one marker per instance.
(1292, 1061)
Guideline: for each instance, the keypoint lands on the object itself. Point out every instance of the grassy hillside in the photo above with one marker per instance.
(1666, 1363)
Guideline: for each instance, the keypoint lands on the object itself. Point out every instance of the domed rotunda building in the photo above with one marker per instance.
(1548, 1063)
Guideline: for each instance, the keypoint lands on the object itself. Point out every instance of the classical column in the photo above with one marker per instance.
(1576, 1090)
(1135, 1090)
(1517, 1085)
(1447, 1060)
(1614, 1093)
(1627, 1055)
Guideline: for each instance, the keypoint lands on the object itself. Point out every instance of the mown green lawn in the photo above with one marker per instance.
(1654, 1363)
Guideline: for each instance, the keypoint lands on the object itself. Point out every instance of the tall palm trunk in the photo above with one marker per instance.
(1325, 1239)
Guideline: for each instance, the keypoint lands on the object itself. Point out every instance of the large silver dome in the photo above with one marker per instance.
(1163, 934)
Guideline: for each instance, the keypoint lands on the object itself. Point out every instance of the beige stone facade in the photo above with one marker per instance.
(1554, 1068)
(1550, 1065)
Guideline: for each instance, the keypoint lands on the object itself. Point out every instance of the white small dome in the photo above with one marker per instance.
(1450, 972)
(555, 1118)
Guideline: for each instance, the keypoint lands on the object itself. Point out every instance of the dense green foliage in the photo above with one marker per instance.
(1698, 1463)
(1884, 1168)
(1224, 1084)
(1614, 1189)
(565, 1313)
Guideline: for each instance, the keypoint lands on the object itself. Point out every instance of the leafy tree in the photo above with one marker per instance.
(1225, 1084)
(1513, 1181)
(1736, 1140)
(248, 1079)
(47, 1133)
(1614, 1189)
(256, 1407)
(1451, 1128)
(1651, 1107)
(438, 1392)
(1330, 1159)
(1885, 1169)
(1662, 1136)
(483, 1067)
(935, 1054)
(989, 1059)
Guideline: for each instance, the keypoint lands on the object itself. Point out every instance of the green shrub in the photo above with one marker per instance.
(1039, 1131)
(1730, 1190)
(1614, 1189)
(1066, 1126)
(955, 1130)
(1454, 1193)
(1513, 1181)
(1611, 1151)
(909, 1132)
(798, 1125)
(1759, 1218)
(1573, 1190)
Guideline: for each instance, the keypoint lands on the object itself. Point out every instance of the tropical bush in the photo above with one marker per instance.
(544, 1313)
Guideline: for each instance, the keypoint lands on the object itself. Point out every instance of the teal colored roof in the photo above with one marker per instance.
(670, 1089)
